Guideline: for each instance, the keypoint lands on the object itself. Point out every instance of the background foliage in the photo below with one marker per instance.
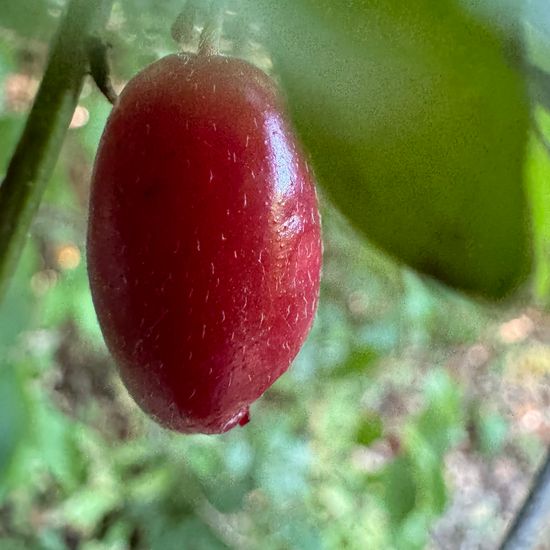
(412, 418)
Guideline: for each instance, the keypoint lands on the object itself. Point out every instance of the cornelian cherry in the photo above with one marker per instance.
(204, 247)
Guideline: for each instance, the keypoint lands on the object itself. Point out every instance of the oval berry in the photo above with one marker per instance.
(204, 248)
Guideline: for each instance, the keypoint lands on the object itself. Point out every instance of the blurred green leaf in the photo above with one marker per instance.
(282, 471)
(7, 65)
(10, 128)
(70, 299)
(414, 532)
(60, 195)
(153, 482)
(413, 485)
(31, 18)
(14, 418)
(85, 508)
(99, 109)
(191, 531)
(431, 487)
(299, 535)
(491, 429)
(17, 306)
(227, 494)
(238, 456)
(360, 360)
(440, 425)
(51, 539)
(397, 104)
(55, 445)
(400, 491)
(227, 484)
(118, 535)
(537, 170)
(370, 429)
(11, 543)
(282, 459)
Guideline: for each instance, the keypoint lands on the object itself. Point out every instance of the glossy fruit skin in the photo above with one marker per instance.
(204, 241)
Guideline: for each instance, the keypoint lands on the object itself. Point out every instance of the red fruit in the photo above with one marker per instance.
(204, 248)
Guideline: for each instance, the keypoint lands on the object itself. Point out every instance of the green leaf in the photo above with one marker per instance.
(416, 125)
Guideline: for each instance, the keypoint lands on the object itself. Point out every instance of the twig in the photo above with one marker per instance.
(99, 67)
(182, 29)
(534, 515)
(209, 42)
(38, 149)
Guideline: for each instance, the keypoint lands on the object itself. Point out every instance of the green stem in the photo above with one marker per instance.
(40, 144)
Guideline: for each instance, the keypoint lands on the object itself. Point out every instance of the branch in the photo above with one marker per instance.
(209, 41)
(534, 516)
(182, 29)
(40, 144)
(99, 67)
